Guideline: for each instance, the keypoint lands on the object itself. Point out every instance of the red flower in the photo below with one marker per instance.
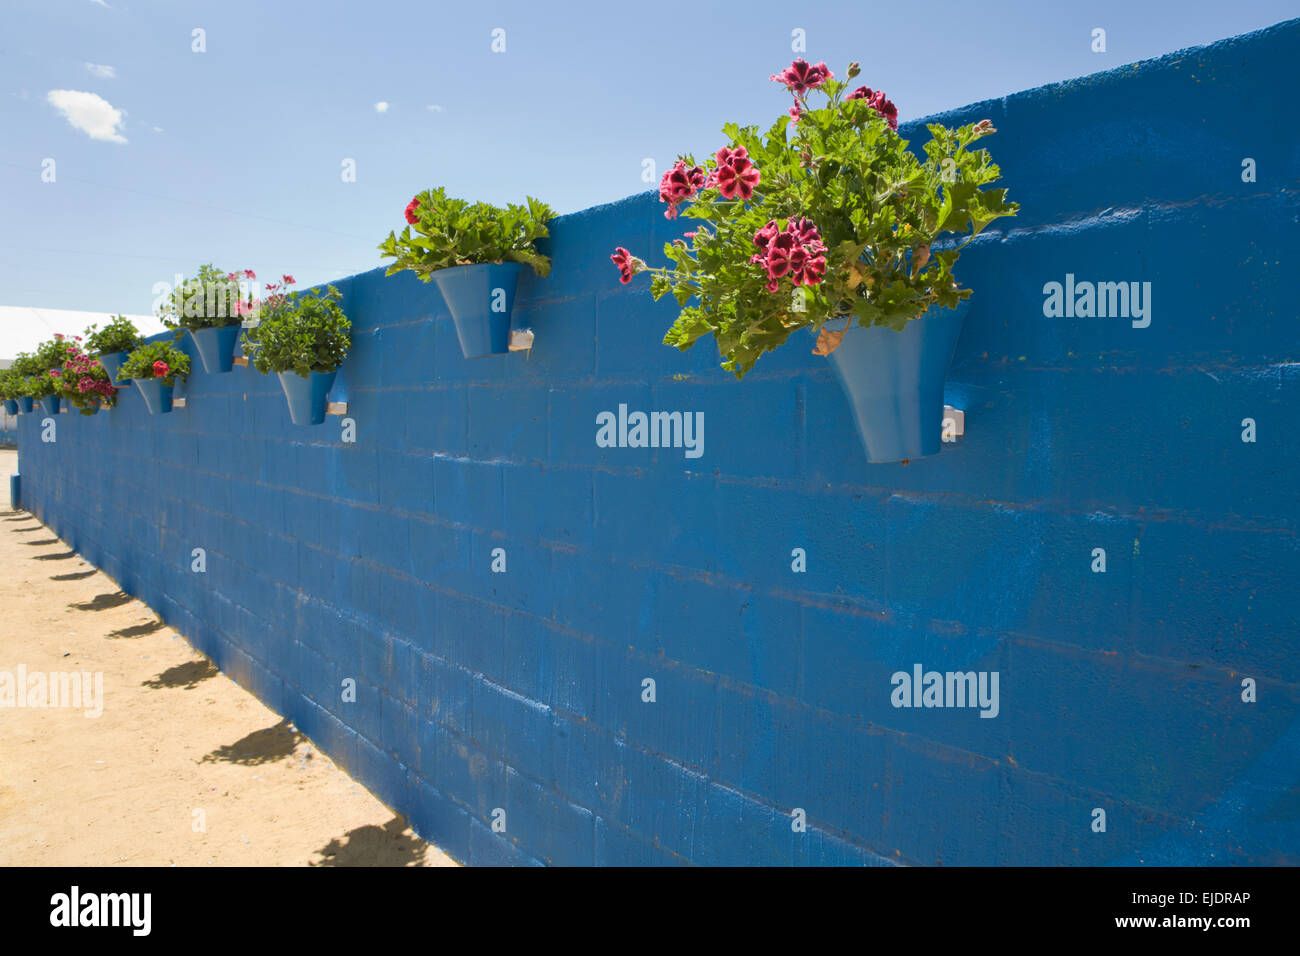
(248, 274)
(160, 369)
(628, 264)
(800, 77)
(797, 252)
(288, 280)
(738, 176)
(411, 208)
(877, 101)
(680, 183)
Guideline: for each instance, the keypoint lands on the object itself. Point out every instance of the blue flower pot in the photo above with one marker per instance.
(894, 382)
(25, 404)
(306, 396)
(157, 396)
(11, 406)
(481, 298)
(216, 347)
(112, 361)
(50, 404)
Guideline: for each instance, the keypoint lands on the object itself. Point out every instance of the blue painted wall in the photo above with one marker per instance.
(522, 690)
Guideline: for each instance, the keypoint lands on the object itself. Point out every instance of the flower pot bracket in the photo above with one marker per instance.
(521, 340)
(954, 423)
(336, 408)
(241, 361)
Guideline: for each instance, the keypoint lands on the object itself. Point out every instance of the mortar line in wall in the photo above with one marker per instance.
(1041, 505)
(1119, 215)
(797, 485)
(805, 485)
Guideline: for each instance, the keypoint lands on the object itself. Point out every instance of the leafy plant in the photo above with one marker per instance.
(156, 360)
(452, 232)
(300, 332)
(827, 215)
(16, 383)
(47, 367)
(83, 382)
(120, 335)
(211, 300)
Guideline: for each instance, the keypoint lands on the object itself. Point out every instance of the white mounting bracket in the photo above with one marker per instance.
(336, 408)
(954, 423)
(178, 403)
(521, 340)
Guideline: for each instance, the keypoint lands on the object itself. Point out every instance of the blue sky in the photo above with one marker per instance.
(234, 155)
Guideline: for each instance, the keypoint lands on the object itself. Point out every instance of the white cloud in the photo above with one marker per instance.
(381, 107)
(434, 108)
(90, 113)
(102, 4)
(157, 129)
(101, 71)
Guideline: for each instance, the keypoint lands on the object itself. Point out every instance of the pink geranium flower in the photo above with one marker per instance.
(679, 184)
(877, 101)
(795, 252)
(736, 174)
(800, 77)
(628, 264)
(738, 179)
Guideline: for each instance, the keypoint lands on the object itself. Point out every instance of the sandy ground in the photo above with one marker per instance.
(182, 767)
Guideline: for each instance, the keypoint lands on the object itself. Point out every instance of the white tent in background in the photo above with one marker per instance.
(22, 328)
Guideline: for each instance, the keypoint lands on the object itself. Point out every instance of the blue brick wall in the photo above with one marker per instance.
(521, 691)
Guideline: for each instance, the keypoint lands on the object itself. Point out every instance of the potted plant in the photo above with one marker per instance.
(475, 252)
(9, 386)
(825, 221)
(46, 386)
(210, 307)
(110, 345)
(19, 385)
(154, 368)
(303, 338)
(84, 383)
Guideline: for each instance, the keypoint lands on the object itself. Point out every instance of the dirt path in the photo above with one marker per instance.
(182, 767)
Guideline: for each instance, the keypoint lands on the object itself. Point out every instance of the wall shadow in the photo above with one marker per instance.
(102, 602)
(187, 675)
(393, 844)
(260, 747)
(72, 575)
(137, 630)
